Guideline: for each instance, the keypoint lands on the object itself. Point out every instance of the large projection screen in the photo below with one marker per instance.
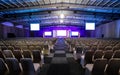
(34, 27)
(62, 33)
(90, 26)
(47, 33)
(73, 33)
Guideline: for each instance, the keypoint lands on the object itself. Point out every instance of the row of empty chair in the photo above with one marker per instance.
(11, 66)
(102, 62)
(103, 67)
(35, 55)
(23, 56)
(27, 44)
(97, 56)
(93, 44)
(90, 56)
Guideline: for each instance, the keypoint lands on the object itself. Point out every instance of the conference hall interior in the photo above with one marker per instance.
(59, 37)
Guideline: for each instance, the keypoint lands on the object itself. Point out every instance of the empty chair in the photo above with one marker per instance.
(24, 47)
(79, 49)
(10, 48)
(4, 48)
(88, 56)
(113, 67)
(13, 65)
(97, 54)
(116, 54)
(17, 54)
(38, 47)
(17, 47)
(27, 65)
(116, 48)
(97, 68)
(108, 48)
(46, 49)
(94, 47)
(26, 54)
(36, 56)
(101, 47)
(3, 67)
(31, 48)
(8, 54)
(108, 54)
(2, 55)
(86, 48)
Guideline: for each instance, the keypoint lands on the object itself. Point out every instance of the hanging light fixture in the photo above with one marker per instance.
(62, 16)
(61, 21)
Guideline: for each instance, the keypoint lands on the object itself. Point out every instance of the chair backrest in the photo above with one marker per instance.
(10, 48)
(99, 67)
(27, 65)
(8, 54)
(46, 47)
(113, 67)
(94, 47)
(3, 67)
(108, 48)
(101, 47)
(4, 48)
(98, 54)
(36, 56)
(79, 49)
(88, 56)
(108, 54)
(13, 65)
(17, 54)
(26, 54)
(116, 48)
(32, 47)
(17, 47)
(2, 55)
(116, 54)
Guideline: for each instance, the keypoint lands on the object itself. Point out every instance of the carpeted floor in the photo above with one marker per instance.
(60, 62)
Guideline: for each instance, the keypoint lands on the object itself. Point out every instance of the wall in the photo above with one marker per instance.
(18, 32)
(109, 30)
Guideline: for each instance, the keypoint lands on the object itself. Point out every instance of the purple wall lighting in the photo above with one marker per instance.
(7, 24)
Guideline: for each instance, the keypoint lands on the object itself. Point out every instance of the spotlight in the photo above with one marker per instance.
(61, 21)
(62, 16)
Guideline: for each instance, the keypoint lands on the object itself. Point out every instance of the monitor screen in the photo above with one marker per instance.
(48, 33)
(61, 33)
(34, 27)
(90, 26)
(74, 33)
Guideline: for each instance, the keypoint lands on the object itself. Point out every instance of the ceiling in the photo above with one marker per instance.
(47, 12)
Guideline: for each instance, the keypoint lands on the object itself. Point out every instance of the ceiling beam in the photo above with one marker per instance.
(55, 5)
